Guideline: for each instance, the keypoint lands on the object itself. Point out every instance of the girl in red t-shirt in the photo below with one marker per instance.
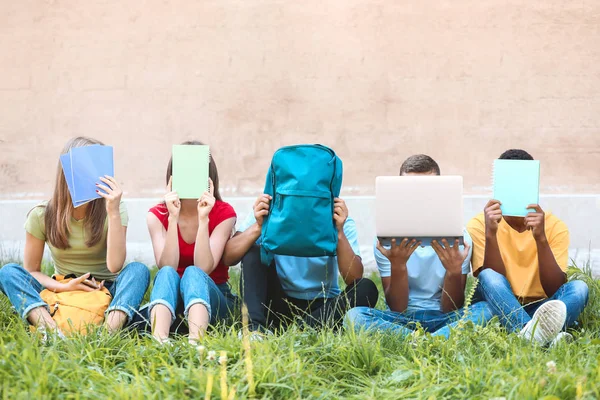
(188, 238)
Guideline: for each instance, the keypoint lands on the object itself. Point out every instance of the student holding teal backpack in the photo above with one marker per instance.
(297, 242)
(86, 242)
(423, 285)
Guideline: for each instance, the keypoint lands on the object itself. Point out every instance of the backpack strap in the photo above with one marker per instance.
(338, 168)
(266, 257)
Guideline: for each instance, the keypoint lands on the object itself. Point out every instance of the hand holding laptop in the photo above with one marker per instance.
(399, 253)
(452, 257)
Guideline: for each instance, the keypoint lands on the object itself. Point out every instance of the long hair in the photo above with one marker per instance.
(212, 169)
(59, 209)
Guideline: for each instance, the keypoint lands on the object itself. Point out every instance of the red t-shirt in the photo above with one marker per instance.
(219, 213)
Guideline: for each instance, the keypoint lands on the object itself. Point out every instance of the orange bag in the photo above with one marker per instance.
(74, 311)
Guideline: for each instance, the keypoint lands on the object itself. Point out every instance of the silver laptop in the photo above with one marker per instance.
(419, 207)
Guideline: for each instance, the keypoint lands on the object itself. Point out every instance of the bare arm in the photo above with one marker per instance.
(239, 245)
(492, 257)
(32, 262)
(395, 286)
(453, 293)
(165, 243)
(552, 277)
(209, 250)
(241, 242)
(116, 248)
(350, 265)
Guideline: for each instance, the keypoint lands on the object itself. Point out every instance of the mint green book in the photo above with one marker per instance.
(516, 185)
(190, 170)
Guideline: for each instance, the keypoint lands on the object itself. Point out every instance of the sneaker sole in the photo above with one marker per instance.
(549, 321)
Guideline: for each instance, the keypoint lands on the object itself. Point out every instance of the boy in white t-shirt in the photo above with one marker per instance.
(423, 285)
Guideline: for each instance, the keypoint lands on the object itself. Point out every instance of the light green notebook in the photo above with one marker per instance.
(516, 185)
(190, 170)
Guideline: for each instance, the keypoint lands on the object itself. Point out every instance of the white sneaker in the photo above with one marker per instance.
(562, 337)
(546, 323)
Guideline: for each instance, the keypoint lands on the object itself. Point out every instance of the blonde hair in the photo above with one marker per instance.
(59, 209)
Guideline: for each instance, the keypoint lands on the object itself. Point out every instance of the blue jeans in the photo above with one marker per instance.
(127, 291)
(496, 290)
(195, 287)
(403, 324)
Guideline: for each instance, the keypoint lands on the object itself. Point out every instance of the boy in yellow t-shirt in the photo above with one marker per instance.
(521, 265)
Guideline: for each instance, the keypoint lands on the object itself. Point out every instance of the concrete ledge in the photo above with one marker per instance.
(580, 212)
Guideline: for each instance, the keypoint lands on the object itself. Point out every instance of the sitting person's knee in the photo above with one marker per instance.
(580, 290)
(9, 270)
(488, 276)
(355, 316)
(166, 271)
(483, 311)
(193, 272)
(367, 293)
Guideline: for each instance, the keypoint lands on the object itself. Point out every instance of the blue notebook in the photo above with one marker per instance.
(516, 185)
(83, 166)
(65, 161)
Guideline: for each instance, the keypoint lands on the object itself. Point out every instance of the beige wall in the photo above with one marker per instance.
(377, 80)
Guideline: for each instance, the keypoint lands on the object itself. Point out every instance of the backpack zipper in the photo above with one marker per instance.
(55, 309)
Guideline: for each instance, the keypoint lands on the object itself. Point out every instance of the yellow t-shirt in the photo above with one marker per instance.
(519, 253)
(78, 259)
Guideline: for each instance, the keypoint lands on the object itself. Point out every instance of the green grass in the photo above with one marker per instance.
(477, 362)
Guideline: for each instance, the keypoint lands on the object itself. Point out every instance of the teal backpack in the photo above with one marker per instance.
(303, 180)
